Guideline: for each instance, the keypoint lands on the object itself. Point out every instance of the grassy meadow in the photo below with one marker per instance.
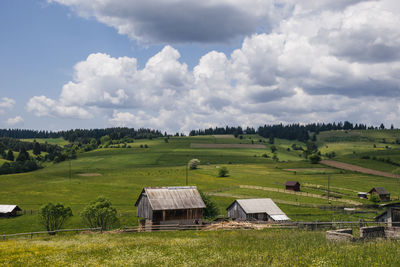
(120, 174)
(203, 248)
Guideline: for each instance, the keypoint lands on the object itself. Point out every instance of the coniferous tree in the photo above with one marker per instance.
(36, 148)
(23, 155)
(10, 155)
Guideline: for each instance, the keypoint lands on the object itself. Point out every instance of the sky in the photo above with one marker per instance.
(185, 64)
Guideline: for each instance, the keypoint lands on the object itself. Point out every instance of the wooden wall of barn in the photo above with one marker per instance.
(236, 212)
(144, 209)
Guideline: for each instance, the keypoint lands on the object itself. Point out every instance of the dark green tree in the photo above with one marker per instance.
(211, 210)
(52, 217)
(23, 155)
(271, 139)
(223, 172)
(193, 164)
(273, 149)
(314, 159)
(100, 213)
(36, 148)
(10, 155)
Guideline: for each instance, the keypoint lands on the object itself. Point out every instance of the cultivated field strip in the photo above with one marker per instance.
(199, 145)
(355, 168)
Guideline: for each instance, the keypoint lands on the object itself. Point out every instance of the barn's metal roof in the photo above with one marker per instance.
(8, 208)
(261, 205)
(173, 198)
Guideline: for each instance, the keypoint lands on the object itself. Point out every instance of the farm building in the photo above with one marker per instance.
(292, 185)
(391, 215)
(381, 192)
(362, 195)
(162, 205)
(9, 210)
(259, 209)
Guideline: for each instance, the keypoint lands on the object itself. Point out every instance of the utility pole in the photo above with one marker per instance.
(187, 174)
(329, 178)
(69, 161)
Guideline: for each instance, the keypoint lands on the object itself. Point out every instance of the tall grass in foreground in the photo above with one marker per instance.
(189, 248)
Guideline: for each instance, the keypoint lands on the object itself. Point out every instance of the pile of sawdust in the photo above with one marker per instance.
(236, 225)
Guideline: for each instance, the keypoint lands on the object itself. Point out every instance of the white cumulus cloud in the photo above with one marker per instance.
(323, 61)
(15, 121)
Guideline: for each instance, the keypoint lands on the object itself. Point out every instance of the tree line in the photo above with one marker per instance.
(82, 135)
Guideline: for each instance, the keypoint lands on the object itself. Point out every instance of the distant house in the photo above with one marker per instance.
(362, 195)
(292, 185)
(9, 210)
(381, 192)
(259, 209)
(163, 205)
(391, 215)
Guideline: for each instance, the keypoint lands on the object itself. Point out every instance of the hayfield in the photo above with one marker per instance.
(204, 248)
(121, 173)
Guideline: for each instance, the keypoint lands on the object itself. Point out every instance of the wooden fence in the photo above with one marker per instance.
(31, 234)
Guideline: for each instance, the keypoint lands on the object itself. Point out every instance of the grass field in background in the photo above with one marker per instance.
(125, 171)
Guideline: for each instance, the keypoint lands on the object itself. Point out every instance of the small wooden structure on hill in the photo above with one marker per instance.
(9, 210)
(166, 205)
(292, 185)
(391, 215)
(381, 192)
(259, 209)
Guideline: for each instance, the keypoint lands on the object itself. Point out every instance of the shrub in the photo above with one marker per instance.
(315, 158)
(100, 213)
(211, 209)
(223, 172)
(374, 198)
(52, 217)
(193, 163)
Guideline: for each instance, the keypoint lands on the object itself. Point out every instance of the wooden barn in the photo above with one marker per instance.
(162, 205)
(292, 185)
(9, 210)
(381, 192)
(391, 215)
(258, 209)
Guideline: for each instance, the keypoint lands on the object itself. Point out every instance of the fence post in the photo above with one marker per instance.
(4, 237)
(31, 235)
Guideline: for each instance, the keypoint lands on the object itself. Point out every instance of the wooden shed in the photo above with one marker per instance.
(381, 192)
(391, 215)
(9, 210)
(170, 204)
(258, 209)
(292, 185)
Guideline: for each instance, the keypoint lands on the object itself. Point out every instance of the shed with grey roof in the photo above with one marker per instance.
(259, 209)
(9, 210)
(161, 204)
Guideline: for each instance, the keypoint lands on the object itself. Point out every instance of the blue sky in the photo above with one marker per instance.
(181, 65)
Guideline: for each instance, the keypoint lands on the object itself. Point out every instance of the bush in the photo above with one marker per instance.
(100, 213)
(223, 172)
(315, 158)
(375, 198)
(193, 163)
(211, 209)
(52, 217)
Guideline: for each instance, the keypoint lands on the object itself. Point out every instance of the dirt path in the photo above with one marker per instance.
(304, 194)
(271, 189)
(355, 168)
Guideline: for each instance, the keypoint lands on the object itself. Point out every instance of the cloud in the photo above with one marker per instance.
(15, 121)
(179, 21)
(43, 106)
(6, 103)
(326, 61)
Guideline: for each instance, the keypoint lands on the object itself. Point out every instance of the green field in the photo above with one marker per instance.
(125, 171)
(203, 248)
(52, 141)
